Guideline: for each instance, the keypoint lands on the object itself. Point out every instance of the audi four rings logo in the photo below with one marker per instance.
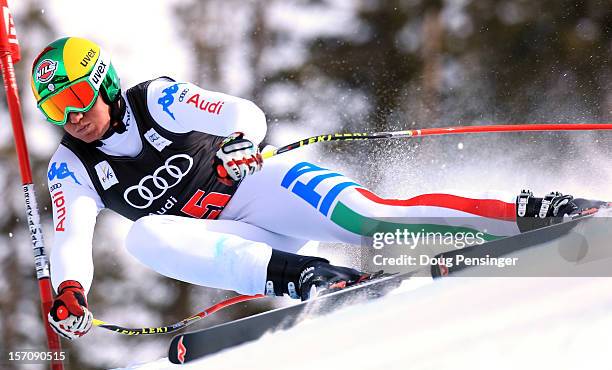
(164, 178)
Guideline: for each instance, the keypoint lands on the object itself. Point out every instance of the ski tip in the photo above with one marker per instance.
(177, 352)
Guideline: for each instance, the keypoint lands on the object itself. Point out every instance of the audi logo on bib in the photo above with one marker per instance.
(154, 186)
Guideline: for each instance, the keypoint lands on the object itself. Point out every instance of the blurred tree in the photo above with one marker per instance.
(544, 61)
(536, 51)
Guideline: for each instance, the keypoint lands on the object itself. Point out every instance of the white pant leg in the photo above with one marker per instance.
(308, 202)
(217, 253)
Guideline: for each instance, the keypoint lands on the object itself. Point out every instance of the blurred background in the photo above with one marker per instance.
(314, 67)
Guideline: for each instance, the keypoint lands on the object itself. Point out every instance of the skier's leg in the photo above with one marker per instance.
(218, 253)
(491, 213)
(306, 201)
(231, 255)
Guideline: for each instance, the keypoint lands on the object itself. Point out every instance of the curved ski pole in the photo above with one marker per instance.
(179, 325)
(440, 131)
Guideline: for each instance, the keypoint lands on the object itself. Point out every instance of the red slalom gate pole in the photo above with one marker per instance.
(9, 51)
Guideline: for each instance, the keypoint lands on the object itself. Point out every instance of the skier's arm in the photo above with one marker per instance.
(75, 208)
(184, 107)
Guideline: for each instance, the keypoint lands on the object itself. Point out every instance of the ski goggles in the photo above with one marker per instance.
(79, 96)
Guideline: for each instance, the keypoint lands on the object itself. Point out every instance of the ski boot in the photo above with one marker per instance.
(534, 213)
(304, 276)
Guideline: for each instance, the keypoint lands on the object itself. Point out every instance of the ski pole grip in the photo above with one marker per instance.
(221, 171)
(62, 312)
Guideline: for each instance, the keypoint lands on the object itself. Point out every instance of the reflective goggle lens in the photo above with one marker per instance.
(74, 98)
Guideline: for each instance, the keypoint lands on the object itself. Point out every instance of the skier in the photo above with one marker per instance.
(184, 164)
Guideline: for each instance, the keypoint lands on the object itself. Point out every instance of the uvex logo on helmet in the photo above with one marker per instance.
(91, 53)
(46, 70)
(99, 70)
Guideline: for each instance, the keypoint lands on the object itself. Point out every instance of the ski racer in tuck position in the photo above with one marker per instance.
(183, 163)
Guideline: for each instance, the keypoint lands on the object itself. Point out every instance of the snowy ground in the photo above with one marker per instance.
(466, 323)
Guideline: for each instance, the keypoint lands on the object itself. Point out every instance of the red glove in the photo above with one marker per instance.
(69, 315)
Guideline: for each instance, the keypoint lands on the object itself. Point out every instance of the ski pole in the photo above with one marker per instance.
(179, 325)
(9, 54)
(439, 131)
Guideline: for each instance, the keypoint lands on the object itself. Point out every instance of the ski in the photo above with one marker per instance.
(194, 345)
(551, 236)
(540, 248)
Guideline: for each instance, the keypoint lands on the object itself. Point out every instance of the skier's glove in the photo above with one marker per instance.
(237, 157)
(69, 316)
(534, 213)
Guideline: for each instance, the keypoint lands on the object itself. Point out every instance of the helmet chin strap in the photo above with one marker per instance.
(117, 111)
